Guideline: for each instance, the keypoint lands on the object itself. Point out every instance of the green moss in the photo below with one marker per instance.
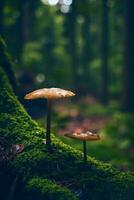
(38, 188)
(61, 174)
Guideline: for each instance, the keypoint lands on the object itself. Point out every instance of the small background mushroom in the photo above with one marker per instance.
(87, 136)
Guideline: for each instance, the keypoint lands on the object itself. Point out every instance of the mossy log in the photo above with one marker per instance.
(59, 175)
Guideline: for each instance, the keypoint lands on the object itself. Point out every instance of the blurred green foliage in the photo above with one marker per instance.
(41, 43)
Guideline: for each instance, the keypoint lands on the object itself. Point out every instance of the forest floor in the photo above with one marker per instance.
(88, 115)
(79, 123)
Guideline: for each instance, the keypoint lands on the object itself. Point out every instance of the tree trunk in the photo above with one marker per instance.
(21, 38)
(25, 23)
(71, 23)
(86, 53)
(1, 16)
(104, 52)
(128, 92)
(32, 18)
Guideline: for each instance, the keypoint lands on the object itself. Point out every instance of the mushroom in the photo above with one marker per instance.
(87, 136)
(49, 94)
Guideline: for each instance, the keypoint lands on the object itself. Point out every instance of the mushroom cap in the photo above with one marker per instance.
(87, 136)
(49, 93)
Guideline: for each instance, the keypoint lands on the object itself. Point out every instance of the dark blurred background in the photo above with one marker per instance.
(86, 46)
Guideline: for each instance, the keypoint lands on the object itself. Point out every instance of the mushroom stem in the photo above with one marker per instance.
(48, 131)
(84, 152)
